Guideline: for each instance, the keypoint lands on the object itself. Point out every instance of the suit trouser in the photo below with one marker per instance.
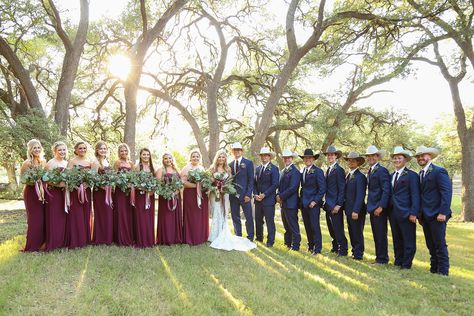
(404, 241)
(356, 234)
(313, 228)
(287, 234)
(435, 237)
(267, 212)
(379, 230)
(291, 216)
(334, 247)
(235, 205)
(336, 223)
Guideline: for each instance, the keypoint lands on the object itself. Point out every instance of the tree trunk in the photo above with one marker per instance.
(467, 180)
(11, 174)
(131, 114)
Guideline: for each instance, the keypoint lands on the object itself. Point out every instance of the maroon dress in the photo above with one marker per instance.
(35, 212)
(103, 217)
(144, 220)
(196, 219)
(78, 222)
(123, 217)
(170, 226)
(56, 218)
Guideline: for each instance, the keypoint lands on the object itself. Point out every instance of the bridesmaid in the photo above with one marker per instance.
(123, 212)
(33, 196)
(144, 218)
(170, 229)
(78, 229)
(195, 205)
(56, 215)
(103, 232)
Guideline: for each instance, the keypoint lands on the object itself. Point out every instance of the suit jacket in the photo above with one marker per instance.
(436, 193)
(313, 187)
(355, 193)
(267, 183)
(379, 187)
(405, 196)
(244, 177)
(288, 187)
(335, 188)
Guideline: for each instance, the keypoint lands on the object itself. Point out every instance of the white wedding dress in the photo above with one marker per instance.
(220, 236)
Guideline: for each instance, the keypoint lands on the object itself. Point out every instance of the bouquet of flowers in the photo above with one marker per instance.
(143, 181)
(203, 177)
(169, 186)
(54, 176)
(121, 181)
(90, 177)
(32, 175)
(222, 185)
(73, 178)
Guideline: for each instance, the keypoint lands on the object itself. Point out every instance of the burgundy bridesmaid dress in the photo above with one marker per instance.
(35, 212)
(170, 227)
(123, 217)
(196, 219)
(103, 218)
(56, 218)
(144, 221)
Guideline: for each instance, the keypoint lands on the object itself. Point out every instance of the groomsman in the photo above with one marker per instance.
(334, 200)
(436, 194)
(242, 171)
(354, 205)
(404, 208)
(378, 179)
(287, 196)
(267, 177)
(313, 188)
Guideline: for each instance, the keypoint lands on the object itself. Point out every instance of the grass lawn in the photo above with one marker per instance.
(198, 280)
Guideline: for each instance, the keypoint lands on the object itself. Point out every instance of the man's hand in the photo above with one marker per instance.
(246, 199)
(378, 211)
(355, 216)
(441, 218)
(278, 199)
(336, 209)
(312, 204)
(412, 218)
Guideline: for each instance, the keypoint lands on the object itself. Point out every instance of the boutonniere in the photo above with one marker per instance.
(288, 169)
(268, 168)
(375, 168)
(430, 168)
(351, 176)
(310, 171)
(243, 165)
(404, 173)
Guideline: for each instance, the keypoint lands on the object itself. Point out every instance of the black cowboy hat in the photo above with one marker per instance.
(309, 153)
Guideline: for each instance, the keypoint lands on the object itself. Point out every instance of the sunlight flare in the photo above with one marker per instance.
(119, 65)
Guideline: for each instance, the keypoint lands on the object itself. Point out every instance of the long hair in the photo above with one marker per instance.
(79, 143)
(99, 144)
(173, 165)
(213, 167)
(152, 169)
(194, 151)
(29, 150)
(122, 145)
(56, 145)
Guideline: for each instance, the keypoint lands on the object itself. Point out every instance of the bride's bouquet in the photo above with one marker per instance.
(222, 185)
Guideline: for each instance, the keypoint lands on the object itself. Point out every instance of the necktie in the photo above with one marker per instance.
(422, 175)
(261, 171)
(305, 170)
(327, 172)
(348, 177)
(396, 179)
(370, 171)
(236, 166)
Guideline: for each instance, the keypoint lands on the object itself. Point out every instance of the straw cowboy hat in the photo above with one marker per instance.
(266, 151)
(332, 150)
(288, 153)
(309, 153)
(236, 145)
(373, 150)
(355, 155)
(398, 150)
(420, 150)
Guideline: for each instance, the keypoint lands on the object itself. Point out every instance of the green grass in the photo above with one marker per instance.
(185, 280)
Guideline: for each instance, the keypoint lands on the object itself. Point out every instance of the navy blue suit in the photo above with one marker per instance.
(288, 193)
(356, 185)
(243, 178)
(436, 194)
(313, 188)
(335, 191)
(405, 201)
(266, 182)
(378, 188)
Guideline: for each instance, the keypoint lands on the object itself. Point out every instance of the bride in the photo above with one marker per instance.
(220, 236)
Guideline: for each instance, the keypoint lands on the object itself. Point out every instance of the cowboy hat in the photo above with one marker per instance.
(373, 150)
(332, 150)
(355, 155)
(420, 150)
(236, 145)
(288, 153)
(398, 150)
(266, 151)
(309, 153)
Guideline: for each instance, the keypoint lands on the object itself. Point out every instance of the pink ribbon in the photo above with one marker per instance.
(39, 190)
(81, 194)
(67, 200)
(108, 195)
(47, 191)
(147, 201)
(198, 194)
(132, 195)
(174, 202)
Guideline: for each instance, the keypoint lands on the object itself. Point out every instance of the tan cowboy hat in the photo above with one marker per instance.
(236, 145)
(398, 150)
(420, 150)
(332, 150)
(266, 151)
(288, 153)
(355, 155)
(373, 150)
(309, 153)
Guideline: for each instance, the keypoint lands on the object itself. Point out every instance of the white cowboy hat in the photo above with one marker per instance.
(355, 155)
(236, 145)
(420, 150)
(373, 150)
(398, 150)
(288, 153)
(266, 151)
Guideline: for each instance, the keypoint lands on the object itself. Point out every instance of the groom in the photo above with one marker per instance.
(242, 171)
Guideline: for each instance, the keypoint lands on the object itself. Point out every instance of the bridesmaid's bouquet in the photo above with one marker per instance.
(108, 178)
(121, 181)
(32, 175)
(143, 181)
(90, 177)
(169, 186)
(54, 176)
(222, 185)
(73, 178)
(203, 177)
